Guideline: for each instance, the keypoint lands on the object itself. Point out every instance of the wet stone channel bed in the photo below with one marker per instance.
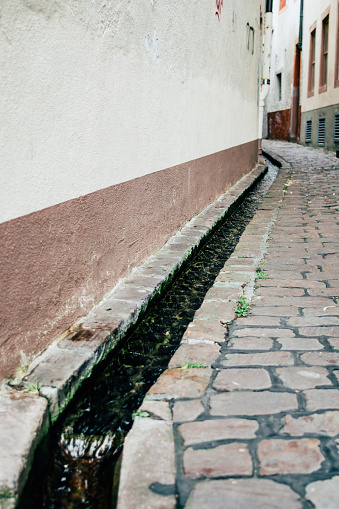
(74, 466)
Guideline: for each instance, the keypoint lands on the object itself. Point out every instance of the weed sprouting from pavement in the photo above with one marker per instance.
(261, 274)
(33, 387)
(243, 307)
(189, 365)
(140, 414)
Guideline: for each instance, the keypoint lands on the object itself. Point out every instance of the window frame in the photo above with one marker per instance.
(323, 80)
(312, 60)
(283, 4)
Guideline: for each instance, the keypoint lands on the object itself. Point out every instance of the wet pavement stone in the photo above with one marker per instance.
(324, 494)
(243, 493)
(216, 462)
(203, 353)
(326, 424)
(217, 429)
(289, 456)
(318, 399)
(187, 410)
(252, 403)
(205, 330)
(242, 379)
(300, 377)
(149, 442)
(300, 344)
(260, 332)
(216, 311)
(321, 358)
(259, 359)
(23, 422)
(250, 344)
(181, 383)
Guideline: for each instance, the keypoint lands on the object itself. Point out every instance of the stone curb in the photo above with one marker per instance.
(62, 368)
(23, 423)
(274, 158)
(170, 385)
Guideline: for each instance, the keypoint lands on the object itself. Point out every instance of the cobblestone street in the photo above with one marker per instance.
(258, 425)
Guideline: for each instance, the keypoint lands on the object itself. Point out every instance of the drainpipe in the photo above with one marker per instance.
(301, 21)
(294, 124)
(265, 80)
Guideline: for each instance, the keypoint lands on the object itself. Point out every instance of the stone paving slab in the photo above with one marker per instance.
(181, 383)
(149, 443)
(198, 353)
(23, 422)
(263, 432)
(241, 493)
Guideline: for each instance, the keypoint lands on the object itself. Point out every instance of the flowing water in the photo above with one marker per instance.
(74, 467)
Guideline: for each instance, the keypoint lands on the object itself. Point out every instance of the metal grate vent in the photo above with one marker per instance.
(308, 137)
(336, 127)
(321, 132)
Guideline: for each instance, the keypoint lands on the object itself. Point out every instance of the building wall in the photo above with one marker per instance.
(322, 102)
(279, 99)
(119, 122)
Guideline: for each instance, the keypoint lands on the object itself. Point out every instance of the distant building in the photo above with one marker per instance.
(120, 121)
(303, 102)
(320, 75)
(278, 121)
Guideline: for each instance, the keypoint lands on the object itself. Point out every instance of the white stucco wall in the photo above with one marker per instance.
(94, 93)
(285, 33)
(313, 14)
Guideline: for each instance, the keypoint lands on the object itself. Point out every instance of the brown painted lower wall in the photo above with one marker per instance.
(278, 123)
(57, 263)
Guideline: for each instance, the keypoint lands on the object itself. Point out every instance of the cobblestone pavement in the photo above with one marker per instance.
(258, 425)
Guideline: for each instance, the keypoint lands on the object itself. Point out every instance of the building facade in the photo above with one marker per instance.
(284, 70)
(320, 75)
(120, 121)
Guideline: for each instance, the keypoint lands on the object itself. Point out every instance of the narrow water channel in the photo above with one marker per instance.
(74, 467)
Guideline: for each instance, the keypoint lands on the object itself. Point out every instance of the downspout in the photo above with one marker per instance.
(301, 22)
(265, 80)
(294, 124)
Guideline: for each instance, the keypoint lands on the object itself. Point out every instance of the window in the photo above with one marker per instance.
(324, 55)
(311, 70)
(279, 86)
(282, 5)
(336, 67)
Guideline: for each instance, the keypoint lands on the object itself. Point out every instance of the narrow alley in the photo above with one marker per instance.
(169, 254)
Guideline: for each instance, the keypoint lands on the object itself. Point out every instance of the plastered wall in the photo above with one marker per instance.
(119, 121)
(97, 92)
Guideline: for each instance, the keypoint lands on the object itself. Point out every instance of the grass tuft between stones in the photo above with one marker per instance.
(243, 307)
(140, 414)
(6, 493)
(187, 365)
(260, 273)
